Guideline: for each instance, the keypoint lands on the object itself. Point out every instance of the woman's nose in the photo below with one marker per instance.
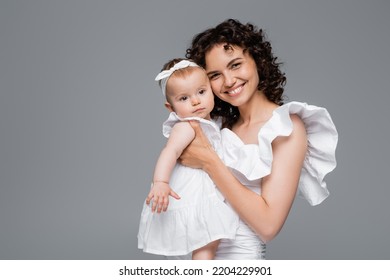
(230, 80)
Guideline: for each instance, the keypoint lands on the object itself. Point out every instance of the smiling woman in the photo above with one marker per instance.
(234, 80)
(232, 72)
(271, 150)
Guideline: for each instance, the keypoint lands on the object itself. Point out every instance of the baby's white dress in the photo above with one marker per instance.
(199, 217)
(251, 162)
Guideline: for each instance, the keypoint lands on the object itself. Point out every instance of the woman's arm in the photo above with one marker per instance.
(265, 213)
(181, 135)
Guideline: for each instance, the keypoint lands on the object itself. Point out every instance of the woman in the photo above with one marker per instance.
(271, 150)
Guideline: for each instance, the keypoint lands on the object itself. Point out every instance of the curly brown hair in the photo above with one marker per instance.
(231, 32)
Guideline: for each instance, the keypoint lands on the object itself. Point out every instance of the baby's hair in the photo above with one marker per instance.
(182, 72)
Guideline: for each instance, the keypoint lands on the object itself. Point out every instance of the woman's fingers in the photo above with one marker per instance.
(200, 137)
(195, 125)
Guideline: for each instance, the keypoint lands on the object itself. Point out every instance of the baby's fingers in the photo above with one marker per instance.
(154, 203)
(157, 203)
(162, 204)
(149, 198)
(165, 204)
(174, 195)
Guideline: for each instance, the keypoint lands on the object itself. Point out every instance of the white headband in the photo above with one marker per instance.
(164, 75)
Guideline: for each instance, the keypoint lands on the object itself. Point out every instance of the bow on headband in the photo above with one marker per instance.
(164, 75)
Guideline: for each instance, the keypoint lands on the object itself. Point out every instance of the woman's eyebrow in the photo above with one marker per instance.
(230, 63)
(211, 73)
(233, 61)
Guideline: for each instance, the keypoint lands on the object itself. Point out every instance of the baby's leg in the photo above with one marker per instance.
(206, 252)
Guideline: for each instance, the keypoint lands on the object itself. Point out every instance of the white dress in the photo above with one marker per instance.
(199, 217)
(251, 162)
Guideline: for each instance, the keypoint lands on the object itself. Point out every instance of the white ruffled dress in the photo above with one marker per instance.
(199, 217)
(250, 163)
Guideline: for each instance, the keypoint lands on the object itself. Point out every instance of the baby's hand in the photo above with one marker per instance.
(160, 193)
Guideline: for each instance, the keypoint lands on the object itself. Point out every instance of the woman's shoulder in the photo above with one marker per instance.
(310, 122)
(297, 137)
(322, 137)
(304, 111)
(298, 125)
(298, 115)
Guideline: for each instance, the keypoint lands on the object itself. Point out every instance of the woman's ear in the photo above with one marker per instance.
(168, 106)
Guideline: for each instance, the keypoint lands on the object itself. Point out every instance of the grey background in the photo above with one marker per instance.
(80, 119)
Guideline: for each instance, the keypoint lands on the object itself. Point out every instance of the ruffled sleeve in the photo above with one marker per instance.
(169, 124)
(210, 128)
(320, 159)
(255, 161)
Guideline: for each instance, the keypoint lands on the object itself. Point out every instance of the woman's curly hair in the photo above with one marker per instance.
(247, 36)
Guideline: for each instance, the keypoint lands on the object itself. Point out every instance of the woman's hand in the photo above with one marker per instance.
(199, 152)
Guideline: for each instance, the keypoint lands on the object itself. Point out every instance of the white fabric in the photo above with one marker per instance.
(251, 162)
(165, 74)
(254, 162)
(199, 217)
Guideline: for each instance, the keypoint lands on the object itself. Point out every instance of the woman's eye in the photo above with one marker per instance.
(235, 65)
(213, 76)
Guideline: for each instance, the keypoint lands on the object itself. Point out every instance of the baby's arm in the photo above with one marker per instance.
(181, 136)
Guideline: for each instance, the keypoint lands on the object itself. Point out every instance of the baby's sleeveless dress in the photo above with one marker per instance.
(251, 162)
(199, 217)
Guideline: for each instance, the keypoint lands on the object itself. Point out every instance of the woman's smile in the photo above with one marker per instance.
(236, 91)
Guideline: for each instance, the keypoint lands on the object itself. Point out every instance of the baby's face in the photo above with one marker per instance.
(190, 96)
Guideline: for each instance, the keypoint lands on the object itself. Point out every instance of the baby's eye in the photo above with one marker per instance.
(202, 91)
(183, 98)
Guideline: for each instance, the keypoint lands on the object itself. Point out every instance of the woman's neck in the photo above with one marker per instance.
(257, 109)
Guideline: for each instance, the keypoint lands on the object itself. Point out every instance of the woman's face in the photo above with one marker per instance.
(232, 73)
